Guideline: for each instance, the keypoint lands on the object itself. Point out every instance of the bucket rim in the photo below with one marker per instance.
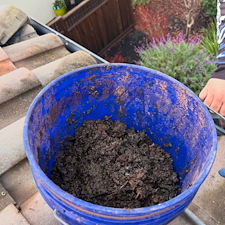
(103, 210)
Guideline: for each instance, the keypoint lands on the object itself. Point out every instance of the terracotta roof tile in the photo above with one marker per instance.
(5, 198)
(44, 58)
(16, 83)
(16, 108)
(24, 33)
(6, 65)
(11, 216)
(45, 74)
(34, 46)
(3, 55)
(12, 148)
(37, 211)
(37, 51)
(19, 182)
(11, 19)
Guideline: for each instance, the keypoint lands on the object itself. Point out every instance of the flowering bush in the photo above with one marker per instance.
(184, 61)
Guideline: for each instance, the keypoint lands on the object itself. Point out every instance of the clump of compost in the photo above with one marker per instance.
(106, 163)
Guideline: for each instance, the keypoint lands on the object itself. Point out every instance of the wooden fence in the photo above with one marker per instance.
(96, 24)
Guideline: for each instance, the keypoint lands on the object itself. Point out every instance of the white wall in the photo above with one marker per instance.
(38, 9)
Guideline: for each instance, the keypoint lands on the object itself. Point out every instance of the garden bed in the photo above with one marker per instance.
(155, 20)
(160, 41)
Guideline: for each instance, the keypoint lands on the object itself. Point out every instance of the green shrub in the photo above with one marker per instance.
(137, 2)
(186, 62)
(209, 40)
(209, 8)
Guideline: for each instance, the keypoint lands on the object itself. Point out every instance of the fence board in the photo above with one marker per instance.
(102, 26)
(86, 36)
(118, 17)
(124, 12)
(92, 33)
(96, 29)
(130, 12)
(110, 21)
(76, 35)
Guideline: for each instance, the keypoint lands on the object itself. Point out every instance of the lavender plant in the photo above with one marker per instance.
(184, 61)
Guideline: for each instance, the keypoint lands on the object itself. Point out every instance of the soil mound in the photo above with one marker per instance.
(106, 163)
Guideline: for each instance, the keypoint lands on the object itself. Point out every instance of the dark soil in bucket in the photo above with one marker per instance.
(106, 163)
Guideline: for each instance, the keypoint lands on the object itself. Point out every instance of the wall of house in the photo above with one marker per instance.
(40, 10)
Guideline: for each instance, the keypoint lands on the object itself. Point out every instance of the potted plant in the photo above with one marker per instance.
(59, 7)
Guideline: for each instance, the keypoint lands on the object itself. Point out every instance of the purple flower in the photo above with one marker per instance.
(139, 48)
(194, 40)
(180, 37)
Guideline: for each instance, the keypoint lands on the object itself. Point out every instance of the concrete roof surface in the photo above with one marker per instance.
(28, 62)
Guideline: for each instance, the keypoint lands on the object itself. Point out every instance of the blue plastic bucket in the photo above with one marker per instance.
(171, 114)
